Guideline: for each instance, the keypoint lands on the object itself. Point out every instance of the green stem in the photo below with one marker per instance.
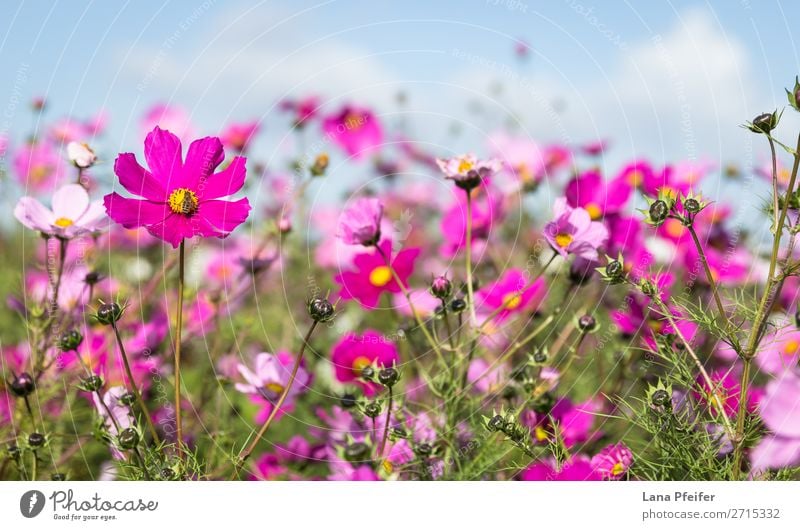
(710, 278)
(133, 385)
(244, 455)
(386, 426)
(177, 349)
(468, 261)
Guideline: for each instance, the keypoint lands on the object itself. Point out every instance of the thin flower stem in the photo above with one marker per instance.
(151, 426)
(244, 455)
(770, 293)
(178, 329)
(62, 254)
(710, 277)
(703, 373)
(386, 426)
(414, 311)
(468, 261)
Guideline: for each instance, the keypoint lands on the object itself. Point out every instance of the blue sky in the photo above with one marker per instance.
(664, 79)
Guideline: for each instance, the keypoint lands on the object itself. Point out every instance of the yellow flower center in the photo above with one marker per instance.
(655, 325)
(512, 300)
(618, 469)
(63, 222)
(540, 433)
(183, 201)
(354, 121)
(594, 211)
(635, 178)
(525, 173)
(669, 191)
(563, 240)
(388, 466)
(359, 363)
(791, 347)
(464, 165)
(277, 388)
(380, 276)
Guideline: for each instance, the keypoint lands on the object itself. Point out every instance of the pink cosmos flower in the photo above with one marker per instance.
(486, 378)
(373, 277)
(511, 293)
(354, 129)
(574, 422)
(577, 468)
(238, 136)
(640, 174)
(268, 381)
(360, 223)
(779, 352)
(304, 109)
(38, 167)
(598, 197)
(181, 198)
(725, 385)
(467, 171)
(169, 118)
(572, 231)
(354, 352)
(487, 213)
(72, 214)
(613, 461)
(780, 412)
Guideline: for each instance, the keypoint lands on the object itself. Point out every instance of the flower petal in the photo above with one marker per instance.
(202, 158)
(70, 202)
(225, 215)
(137, 179)
(162, 150)
(33, 214)
(133, 213)
(226, 182)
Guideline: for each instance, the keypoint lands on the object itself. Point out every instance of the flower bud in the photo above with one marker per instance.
(540, 356)
(441, 287)
(388, 377)
(81, 155)
(93, 383)
(398, 432)
(457, 305)
(692, 205)
(368, 373)
(167, 473)
(496, 423)
(614, 270)
(128, 438)
(661, 398)
(348, 401)
(320, 309)
(13, 451)
(356, 452)
(127, 399)
(36, 439)
(423, 449)
(23, 385)
(372, 409)
(58, 477)
(658, 211)
(109, 313)
(320, 165)
(765, 123)
(587, 323)
(70, 340)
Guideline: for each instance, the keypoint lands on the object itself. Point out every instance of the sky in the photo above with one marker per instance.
(665, 80)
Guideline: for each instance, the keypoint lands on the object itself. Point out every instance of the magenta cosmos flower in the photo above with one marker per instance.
(238, 136)
(373, 276)
(360, 223)
(354, 129)
(181, 198)
(511, 294)
(572, 231)
(576, 468)
(72, 214)
(354, 352)
(598, 197)
(613, 462)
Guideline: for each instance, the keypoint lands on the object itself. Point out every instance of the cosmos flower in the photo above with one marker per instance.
(372, 276)
(72, 214)
(467, 171)
(237, 136)
(780, 412)
(572, 231)
(81, 155)
(577, 468)
(269, 379)
(511, 294)
(181, 198)
(38, 166)
(360, 223)
(598, 197)
(355, 129)
(354, 352)
(613, 461)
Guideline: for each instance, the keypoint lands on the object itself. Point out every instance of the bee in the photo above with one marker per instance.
(187, 204)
